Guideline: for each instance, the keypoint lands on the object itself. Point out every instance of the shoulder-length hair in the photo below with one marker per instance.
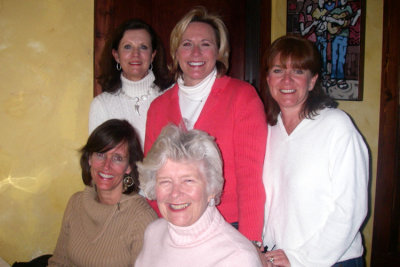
(109, 77)
(304, 55)
(200, 14)
(184, 146)
(107, 136)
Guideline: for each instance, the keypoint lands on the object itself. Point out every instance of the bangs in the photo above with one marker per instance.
(299, 52)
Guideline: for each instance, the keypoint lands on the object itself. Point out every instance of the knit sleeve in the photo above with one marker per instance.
(250, 135)
(60, 257)
(97, 113)
(142, 220)
(241, 258)
(150, 135)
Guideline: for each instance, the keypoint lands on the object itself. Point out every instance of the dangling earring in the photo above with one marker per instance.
(118, 66)
(211, 203)
(128, 182)
(151, 66)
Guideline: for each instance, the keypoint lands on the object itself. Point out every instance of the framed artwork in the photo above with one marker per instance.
(336, 28)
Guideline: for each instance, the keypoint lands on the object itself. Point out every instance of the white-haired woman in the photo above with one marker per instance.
(183, 172)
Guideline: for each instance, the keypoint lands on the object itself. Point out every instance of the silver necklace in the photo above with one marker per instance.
(138, 100)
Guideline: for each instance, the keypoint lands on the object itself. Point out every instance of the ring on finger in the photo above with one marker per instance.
(271, 259)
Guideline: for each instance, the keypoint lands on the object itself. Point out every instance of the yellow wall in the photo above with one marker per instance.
(366, 112)
(46, 55)
(46, 58)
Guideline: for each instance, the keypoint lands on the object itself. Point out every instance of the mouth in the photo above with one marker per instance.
(178, 207)
(135, 63)
(287, 91)
(105, 176)
(196, 64)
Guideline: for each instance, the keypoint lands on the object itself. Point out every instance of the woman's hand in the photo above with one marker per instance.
(275, 258)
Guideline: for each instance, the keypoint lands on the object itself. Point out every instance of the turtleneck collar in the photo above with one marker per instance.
(198, 232)
(144, 86)
(200, 90)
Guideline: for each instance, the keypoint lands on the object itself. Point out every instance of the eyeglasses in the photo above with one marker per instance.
(116, 159)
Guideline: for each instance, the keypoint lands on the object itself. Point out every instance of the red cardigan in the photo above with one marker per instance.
(234, 115)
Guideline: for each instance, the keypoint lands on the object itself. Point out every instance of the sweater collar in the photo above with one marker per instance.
(97, 216)
(138, 88)
(200, 90)
(198, 232)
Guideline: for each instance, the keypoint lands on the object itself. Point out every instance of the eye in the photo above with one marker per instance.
(186, 44)
(298, 71)
(127, 46)
(163, 181)
(117, 158)
(189, 180)
(277, 70)
(100, 155)
(144, 47)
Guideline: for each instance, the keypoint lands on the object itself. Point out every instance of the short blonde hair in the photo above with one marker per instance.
(200, 14)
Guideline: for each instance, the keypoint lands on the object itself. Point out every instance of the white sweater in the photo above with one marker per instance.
(131, 103)
(316, 182)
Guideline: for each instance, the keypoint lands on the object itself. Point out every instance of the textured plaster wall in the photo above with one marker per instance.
(46, 55)
(365, 113)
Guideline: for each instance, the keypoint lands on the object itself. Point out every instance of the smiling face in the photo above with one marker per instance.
(289, 86)
(181, 192)
(197, 52)
(134, 54)
(107, 170)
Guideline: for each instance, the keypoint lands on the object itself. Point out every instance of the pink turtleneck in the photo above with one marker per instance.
(210, 241)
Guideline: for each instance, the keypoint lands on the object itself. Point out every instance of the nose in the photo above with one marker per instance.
(176, 190)
(287, 76)
(196, 50)
(135, 51)
(107, 163)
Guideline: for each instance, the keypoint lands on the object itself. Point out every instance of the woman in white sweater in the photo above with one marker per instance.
(315, 169)
(133, 73)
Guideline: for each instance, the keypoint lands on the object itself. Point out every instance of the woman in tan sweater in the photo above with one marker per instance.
(104, 224)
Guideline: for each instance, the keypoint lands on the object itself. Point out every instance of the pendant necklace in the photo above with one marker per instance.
(138, 99)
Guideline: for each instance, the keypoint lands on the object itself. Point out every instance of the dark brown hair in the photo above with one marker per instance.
(109, 77)
(106, 137)
(302, 54)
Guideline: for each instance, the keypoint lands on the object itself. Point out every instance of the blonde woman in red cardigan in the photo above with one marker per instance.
(229, 109)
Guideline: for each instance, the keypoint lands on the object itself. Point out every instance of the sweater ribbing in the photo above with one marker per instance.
(94, 234)
(209, 242)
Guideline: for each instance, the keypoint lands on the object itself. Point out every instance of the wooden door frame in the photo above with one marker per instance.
(386, 218)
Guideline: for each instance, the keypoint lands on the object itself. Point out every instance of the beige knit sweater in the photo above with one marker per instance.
(95, 234)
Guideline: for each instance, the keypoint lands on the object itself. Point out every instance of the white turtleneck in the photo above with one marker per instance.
(193, 98)
(130, 102)
(209, 242)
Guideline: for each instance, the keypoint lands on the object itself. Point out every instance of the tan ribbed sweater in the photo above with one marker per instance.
(95, 234)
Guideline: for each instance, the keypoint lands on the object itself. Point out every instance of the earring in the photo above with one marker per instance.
(151, 66)
(211, 203)
(118, 66)
(128, 182)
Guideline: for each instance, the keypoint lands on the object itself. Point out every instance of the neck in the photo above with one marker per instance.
(109, 197)
(290, 120)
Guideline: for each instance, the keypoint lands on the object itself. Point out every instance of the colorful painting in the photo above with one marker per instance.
(335, 26)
